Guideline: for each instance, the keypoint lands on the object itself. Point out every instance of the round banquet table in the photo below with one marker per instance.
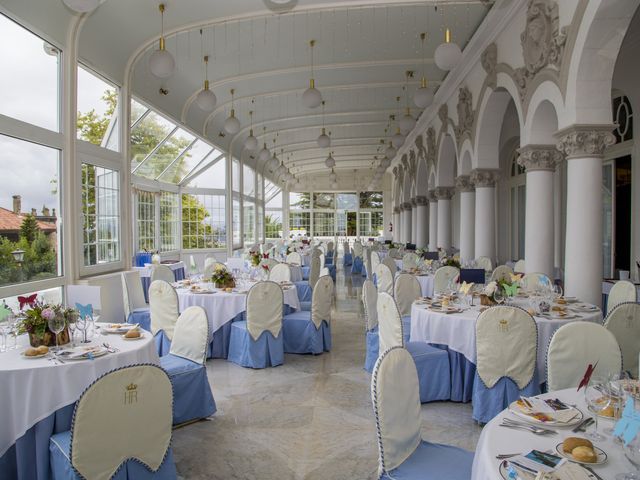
(495, 440)
(456, 333)
(37, 398)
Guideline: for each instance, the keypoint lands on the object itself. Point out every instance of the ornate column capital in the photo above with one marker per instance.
(463, 184)
(405, 206)
(414, 202)
(422, 201)
(431, 196)
(484, 177)
(444, 193)
(585, 140)
(396, 209)
(539, 157)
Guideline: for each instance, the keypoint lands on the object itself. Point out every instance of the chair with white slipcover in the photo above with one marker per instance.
(370, 302)
(394, 253)
(269, 262)
(484, 262)
(304, 288)
(163, 305)
(280, 273)
(210, 265)
(444, 277)
(410, 260)
(402, 453)
(574, 346)
(136, 309)
(257, 341)
(121, 429)
(621, 292)
(162, 272)
(624, 323)
(366, 251)
(325, 271)
(406, 290)
(331, 253)
(347, 257)
(502, 272)
(310, 331)
(391, 263)
(375, 261)
(519, 267)
(432, 364)
(506, 346)
(533, 281)
(294, 258)
(384, 279)
(185, 365)
(356, 267)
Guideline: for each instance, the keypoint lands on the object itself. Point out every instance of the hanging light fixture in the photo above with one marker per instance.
(390, 152)
(273, 161)
(334, 185)
(161, 62)
(264, 154)
(423, 96)
(82, 6)
(311, 98)
(232, 124)
(398, 139)
(332, 176)
(324, 140)
(330, 161)
(206, 99)
(447, 54)
(251, 142)
(407, 122)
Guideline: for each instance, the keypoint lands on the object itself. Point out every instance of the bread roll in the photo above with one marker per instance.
(42, 349)
(31, 352)
(133, 333)
(572, 442)
(584, 454)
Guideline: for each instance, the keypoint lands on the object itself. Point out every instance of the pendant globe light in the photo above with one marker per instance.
(407, 122)
(161, 62)
(423, 96)
(82, 6)
(324, 140)
(332, 176)
(206, 99)
(398, 139)
(273, 163)
(264, 154)
(447, 54)
(334, 185)
(390, 152)
(330, 161)
(312, 98)
(251, 142)
(232, 124)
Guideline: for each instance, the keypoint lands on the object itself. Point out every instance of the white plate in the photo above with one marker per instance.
(134, 338)
(557, 316)
(98, 352)
(528, 419)
(32, 357)
(527, 476)
(602, 456)
(123, 327)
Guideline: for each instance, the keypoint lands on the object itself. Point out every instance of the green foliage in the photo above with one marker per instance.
(40, 260)
(272, 227)
(29, 228)
(93, 127)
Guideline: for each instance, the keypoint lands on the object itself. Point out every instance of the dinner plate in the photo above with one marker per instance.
(529, 419)
(111, 328)
(557, 316)
(602, 456)
(96, 351)
(527, 476)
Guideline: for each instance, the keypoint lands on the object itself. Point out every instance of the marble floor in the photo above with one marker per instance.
(308, 419)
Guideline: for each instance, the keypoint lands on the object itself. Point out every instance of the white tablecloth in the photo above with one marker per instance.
(146, 270)
(458, 331)
(495, 440)
(223, 307)
(398, 264)
(33, 389)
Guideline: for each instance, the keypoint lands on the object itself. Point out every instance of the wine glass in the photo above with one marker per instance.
(56, 325)
(13, 330)
(619, 387)
(4, 330)
(597, 397)
(82, 324)
(632, 453)
(498, 296)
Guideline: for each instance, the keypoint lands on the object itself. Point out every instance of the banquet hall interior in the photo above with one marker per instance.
(318, 239)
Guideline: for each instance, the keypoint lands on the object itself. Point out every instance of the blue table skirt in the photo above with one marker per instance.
(146, 281)
(462, 375)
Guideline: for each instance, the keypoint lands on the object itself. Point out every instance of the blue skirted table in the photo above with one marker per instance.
(145, 275)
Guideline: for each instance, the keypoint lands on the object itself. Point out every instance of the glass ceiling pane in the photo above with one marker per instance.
(213, 177)
(166, 154)
(275, 202)
(186, 163)
(137, 109)
(248, 180)
(147, 135)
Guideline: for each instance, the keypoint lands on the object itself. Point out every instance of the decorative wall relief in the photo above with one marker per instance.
(431, 147)
(465, 113)
(413, 165)
(422, 151)
(489, 60)
(443, 115)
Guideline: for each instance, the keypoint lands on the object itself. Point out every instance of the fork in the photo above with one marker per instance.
(532, 429)
(508, 421)
(109, 348)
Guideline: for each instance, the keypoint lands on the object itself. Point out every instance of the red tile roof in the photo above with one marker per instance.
(10, 222)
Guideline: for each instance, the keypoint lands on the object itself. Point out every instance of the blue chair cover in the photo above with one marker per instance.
(463, 373)
(60, 450)
(163, 344)
(141, 316)
(178, 274)
(332, 272)
(305, 292)
(347, 260)
(406, 327)
(373, 349)
(356, 266)
(489, 402)
(432, 461)
(305, 272)
(265, 352)
(329, 254)
(434, 375)
(192, 397)
(305, 306)
(300, 334)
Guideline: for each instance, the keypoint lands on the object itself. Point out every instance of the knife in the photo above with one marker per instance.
(582, 426)
(590, 470)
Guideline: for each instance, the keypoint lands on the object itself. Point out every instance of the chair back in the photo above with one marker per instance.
(519, 266)
(393, 252)
(191, 335)
(346, 247)
(370, 302)
(502, 272)
(357, 249)
(396, 406)
(576, 345)
(163, 303)
(624, 323)
(375, 261)
(324, 271)
(384, 279)
(210, 265)
(367, 260)
(264, 309)
(406, 291)
(444, 276)
(390, 332)
(321, 301)
(314, 271)
(410, 260)
(506, 345)
(391, 263)
(531, 281)
(125, 414)
(621, 292)
(322, 247)
(162, 272)
(294, 257)
(269, 262)
(484, 262)
(88, 294)
(281, 272)
(132, 292)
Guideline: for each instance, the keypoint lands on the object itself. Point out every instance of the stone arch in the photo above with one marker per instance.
(541, 122)
(465, 164)
(445, 171)
(422, 177)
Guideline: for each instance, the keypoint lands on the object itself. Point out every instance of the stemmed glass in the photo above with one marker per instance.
(619, 387)
(498, 296)
(597, 397)
(82, 324)
(4, 330)
(56, 325)
(74, 317)
(632, 452)
(13, 330)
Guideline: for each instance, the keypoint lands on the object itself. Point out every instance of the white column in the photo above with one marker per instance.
(422, 224)
(467, 217)
(583, 146)
(540, 163)
(396, 224)
(485, 238)
(406, 222)
(557, 216)
(444, 194)
(433, 221)
(414, 221)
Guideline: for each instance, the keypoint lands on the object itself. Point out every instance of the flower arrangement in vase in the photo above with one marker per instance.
(450, 262)
(222, 278)
(35, 322)
(487, 296)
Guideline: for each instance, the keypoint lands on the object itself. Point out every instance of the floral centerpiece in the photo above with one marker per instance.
(35, 322)
(451, 261)
(222, 278)
(254, 258)
(487, 296)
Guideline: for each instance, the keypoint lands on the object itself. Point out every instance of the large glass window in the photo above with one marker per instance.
(235, 175)
(273, 224)
(101, 213)
(324, 200)
(236, 219)
(323, 224)
(371, 223)
(203, 221)
(30, 71)
(146, 221)
(248, 181)
(214, 176)
(97, 110)
(259, 223)
(248, 215)
(169, 221)
(146, 135)
(29, 201)
(299, 223)
(184, 164)
(166, 155)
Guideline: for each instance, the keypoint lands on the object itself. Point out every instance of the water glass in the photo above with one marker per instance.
(4, 330)
(56, 325)
(14, 320)
(597, 397)
(498, 296)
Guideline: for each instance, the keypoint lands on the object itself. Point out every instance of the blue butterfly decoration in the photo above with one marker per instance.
(85, 310)
(629, 424)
